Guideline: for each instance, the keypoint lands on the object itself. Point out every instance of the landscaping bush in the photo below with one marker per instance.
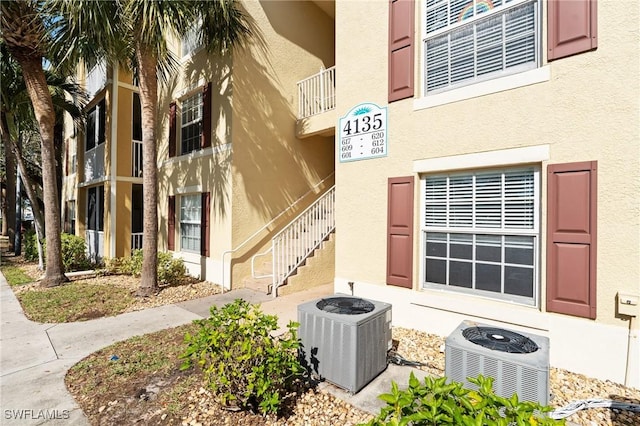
(437, 403)
(170, 269)
(29, 246)
(242, 363)
(74, 255)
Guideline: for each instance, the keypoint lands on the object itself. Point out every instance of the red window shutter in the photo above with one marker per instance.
(205, 138)
(171, 221)
(571, 238)
(400, 232)
(173, 140)
(401, 29)
(572, 27)
(204, 224)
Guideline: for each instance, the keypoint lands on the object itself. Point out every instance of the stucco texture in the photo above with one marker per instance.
(588, 110)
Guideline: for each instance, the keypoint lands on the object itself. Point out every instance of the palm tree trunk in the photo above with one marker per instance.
(9, 200)
(40, 96)
(29, 187)
(148, 99)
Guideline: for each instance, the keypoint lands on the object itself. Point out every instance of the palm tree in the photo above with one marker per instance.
(24, 32)
(134, 33)
(17, 118)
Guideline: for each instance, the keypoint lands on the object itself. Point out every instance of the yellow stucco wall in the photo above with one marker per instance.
(124, 132)
(256, 167)
(271, 167)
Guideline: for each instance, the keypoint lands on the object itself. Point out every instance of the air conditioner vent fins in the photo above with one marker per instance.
(501, 340)
(345, 339)
(518, 363)
(345, 305)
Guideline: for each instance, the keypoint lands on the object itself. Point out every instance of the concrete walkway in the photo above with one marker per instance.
(35, 357)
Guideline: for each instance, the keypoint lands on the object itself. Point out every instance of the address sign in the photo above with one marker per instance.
(363, 133)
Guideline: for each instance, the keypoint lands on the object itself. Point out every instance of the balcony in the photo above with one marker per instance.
(316, 104)
(94, 163)
(96, 78)
(136, 160)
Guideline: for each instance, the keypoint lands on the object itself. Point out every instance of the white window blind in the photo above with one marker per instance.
(191, 123)
(471, 40)
(190, 219)
(480, 232)
(491, 200)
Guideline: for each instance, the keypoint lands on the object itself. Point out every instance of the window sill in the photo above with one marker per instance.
(538, 75)
(198, 154)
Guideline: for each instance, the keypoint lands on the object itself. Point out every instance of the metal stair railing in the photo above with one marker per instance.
(317, 94)
(263, 228)
(302, 236)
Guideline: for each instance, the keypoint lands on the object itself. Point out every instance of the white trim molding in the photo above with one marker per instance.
(538, 75)
(198, 154)
(502, 157)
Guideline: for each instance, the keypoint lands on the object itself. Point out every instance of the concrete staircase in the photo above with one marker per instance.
(317, 269)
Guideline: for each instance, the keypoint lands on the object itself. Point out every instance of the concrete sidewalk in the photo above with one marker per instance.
(35, 357)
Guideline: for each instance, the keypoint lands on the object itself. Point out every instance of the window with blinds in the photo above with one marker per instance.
(190, 219)
(191, 122)
(480, 233)
(466, 41)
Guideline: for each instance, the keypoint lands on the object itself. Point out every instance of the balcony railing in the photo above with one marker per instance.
(136, 160)
(94, 163)
(136, 241)
(94, 241)
(317, 94)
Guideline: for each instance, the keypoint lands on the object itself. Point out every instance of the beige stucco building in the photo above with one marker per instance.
(233, 173)
(485, 155)
(509, 190)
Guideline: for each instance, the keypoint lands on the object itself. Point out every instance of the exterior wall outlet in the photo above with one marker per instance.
(628, 304)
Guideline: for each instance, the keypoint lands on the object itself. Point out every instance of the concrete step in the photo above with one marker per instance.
(317, 269)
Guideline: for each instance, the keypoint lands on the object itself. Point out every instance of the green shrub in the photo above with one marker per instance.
(437, 403)
(242, 363)
(74, 255)
(132, 265)
(29, 246)
(170, 269)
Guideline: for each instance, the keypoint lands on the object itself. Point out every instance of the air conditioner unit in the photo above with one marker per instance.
(345, 339)
(518, 362)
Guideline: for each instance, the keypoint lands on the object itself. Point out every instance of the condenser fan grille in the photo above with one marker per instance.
(345, 305)
(500, 340)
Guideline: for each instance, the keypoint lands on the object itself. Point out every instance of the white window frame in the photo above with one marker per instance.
(93, 115)
(189, 43)
(524, 68)
(190, 222)
(197, 119)
(501, 231)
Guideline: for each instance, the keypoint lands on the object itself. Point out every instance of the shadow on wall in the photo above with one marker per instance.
(251, 108)
(212, 173)
(306, 35)
(275, 167)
